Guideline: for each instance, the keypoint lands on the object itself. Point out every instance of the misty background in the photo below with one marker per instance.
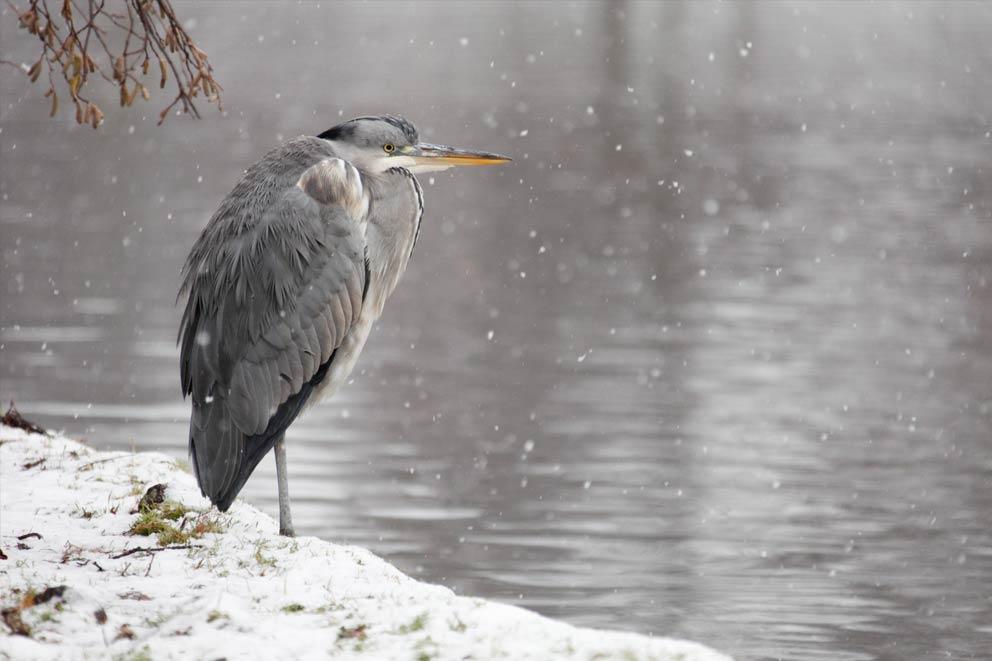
(712, 358)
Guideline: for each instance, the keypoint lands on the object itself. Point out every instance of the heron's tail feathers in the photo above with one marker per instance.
(223, 457)
(215, 447)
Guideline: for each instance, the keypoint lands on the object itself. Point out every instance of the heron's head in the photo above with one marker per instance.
(376, 144)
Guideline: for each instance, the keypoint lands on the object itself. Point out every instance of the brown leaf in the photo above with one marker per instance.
(100, 615)
(54, 592)
(201, 57)
(12, 618)
(29, 21)
(352, 632)
(125, 632)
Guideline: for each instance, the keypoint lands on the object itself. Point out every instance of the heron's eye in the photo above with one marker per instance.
(388, 148)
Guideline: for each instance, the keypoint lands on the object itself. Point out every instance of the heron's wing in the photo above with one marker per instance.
(269, 304)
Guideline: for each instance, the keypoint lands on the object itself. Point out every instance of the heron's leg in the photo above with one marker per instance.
(285, 518)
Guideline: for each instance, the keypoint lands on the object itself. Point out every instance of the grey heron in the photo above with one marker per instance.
(285, 282)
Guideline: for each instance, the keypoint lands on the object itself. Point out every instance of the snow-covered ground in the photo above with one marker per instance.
(228, 585)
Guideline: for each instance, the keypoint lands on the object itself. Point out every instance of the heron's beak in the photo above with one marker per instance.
(439, 155)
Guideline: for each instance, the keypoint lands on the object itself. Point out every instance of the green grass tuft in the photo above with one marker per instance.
(144, 654)
(172, 510)
(262, 559)
(172, 535)
(215, 615)
(156, 520)
(181, 465)
(149, 522)
(417, 624)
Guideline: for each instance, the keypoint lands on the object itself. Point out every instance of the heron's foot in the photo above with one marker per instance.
(285, 521)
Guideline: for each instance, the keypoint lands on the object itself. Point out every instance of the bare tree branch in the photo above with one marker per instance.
(85, 39)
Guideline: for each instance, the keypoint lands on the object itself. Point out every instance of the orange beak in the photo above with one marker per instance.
(428, 154)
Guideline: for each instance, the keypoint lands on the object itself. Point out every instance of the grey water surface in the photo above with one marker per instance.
(712, 358)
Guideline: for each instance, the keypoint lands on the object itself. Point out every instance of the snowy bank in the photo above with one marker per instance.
(210, 585)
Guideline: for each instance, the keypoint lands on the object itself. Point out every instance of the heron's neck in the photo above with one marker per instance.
(395, 212)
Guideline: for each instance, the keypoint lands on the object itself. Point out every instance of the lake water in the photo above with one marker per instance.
(712, 358)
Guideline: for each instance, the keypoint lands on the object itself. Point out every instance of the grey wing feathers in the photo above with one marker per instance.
(269, 302)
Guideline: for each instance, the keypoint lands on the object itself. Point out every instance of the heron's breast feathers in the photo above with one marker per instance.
(338, 182)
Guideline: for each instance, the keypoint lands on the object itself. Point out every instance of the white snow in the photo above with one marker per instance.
(244, 592)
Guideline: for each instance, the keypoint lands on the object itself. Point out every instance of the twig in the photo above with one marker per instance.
(100, 461)
(155, 549)
(75, 43)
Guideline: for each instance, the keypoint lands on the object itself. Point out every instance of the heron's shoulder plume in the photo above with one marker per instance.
(335, 181)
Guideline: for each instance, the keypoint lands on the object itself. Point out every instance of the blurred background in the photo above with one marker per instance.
(712, 358)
